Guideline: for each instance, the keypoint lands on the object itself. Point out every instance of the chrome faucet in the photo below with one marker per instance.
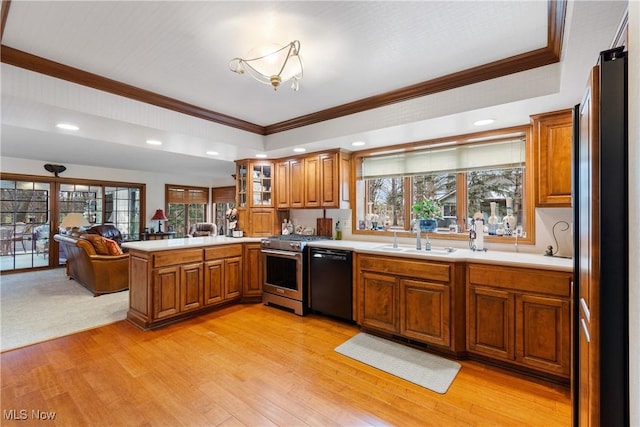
(395, 239)
(418, 243)
(427, 243)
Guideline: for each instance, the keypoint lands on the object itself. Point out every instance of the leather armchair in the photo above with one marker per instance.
(106, 230)
(100, 274)
(203, 229)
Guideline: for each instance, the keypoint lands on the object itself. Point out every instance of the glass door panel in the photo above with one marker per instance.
(24, 224)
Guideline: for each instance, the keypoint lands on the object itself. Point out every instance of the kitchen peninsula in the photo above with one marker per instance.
(172, 279)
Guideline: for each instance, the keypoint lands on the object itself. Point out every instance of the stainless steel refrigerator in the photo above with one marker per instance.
(600, 381)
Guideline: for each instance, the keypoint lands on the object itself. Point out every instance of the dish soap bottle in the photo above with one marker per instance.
(338, 231)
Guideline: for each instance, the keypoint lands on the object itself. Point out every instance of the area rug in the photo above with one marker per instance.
(42, 305)
(418, 367)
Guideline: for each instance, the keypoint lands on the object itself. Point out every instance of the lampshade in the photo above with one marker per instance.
(280, 65)
(73, 220)
(159, 216)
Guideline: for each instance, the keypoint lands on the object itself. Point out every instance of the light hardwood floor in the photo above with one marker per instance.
(250, 365)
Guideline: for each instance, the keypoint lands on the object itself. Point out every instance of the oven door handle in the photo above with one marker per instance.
(282, 253)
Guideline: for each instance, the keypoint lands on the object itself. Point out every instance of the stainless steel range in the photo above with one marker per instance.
(285, 271)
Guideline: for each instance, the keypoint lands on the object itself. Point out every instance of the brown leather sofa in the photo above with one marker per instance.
(106, 230)
(90, 264)
(203, 229)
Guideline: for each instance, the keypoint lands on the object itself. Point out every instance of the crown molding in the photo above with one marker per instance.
(550, 54)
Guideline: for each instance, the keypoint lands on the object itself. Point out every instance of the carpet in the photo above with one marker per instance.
(418, 367)
(41, 305)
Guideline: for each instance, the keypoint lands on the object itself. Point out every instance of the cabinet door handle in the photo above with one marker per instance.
(585, 330)
(585, 309)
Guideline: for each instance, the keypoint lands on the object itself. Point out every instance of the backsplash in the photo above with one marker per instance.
(545, 219)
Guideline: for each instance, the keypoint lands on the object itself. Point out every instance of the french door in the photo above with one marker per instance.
(32, 208)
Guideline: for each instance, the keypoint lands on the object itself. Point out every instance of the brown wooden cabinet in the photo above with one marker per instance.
(415, 299)
(223, 278)
(253, 272)
(380, 304)
(312, 182)
(255, 185)
(282, 184)
(176, 283)
(552, 136)
(191, 296)
(491, 325)
(166, 292)
(168, 285)
(520, 316)
(319, 180)
(425, 311)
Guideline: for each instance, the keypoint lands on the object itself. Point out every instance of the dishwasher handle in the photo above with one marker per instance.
(331, 255)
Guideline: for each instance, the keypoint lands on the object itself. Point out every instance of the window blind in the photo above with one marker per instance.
(510, 153)
(187, 195)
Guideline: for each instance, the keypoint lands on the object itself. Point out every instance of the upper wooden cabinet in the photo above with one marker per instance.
(319, 180)
(552, 138)
(255, 185)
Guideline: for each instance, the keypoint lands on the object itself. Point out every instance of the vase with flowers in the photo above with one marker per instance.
(427, 213)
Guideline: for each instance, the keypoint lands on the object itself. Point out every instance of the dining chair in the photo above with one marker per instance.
(18, 236)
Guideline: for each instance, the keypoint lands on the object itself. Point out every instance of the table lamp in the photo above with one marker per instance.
(159, 216)
(73, 221)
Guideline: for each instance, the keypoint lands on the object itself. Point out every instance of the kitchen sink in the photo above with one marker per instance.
(413, 250)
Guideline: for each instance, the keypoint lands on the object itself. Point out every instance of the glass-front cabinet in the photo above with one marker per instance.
(254, 196)
(241, 184)
(254, 184)
(261, 180)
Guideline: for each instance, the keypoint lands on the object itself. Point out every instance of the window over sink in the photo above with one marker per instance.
(465, 174)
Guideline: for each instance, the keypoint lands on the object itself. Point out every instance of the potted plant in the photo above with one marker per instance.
(427, 213)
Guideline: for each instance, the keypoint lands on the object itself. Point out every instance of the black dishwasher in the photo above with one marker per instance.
(331, 282)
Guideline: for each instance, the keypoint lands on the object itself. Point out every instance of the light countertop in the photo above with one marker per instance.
(438, 252)
(187, 242)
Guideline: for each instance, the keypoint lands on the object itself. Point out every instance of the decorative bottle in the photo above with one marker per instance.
(493, 220)
(510, 219)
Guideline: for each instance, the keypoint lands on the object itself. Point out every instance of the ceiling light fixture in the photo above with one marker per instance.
(261, 156)
(484, 122)
(67, 126)
(299, 150)
(212, 153)
(281, 65)
(358, 143)
(154, 142)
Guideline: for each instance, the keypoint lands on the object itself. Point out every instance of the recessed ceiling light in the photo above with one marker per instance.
(67, 126)
(261, 156)
(154, 142)
(358, 143)
(299, 150)
(484, 122)
(212, 153)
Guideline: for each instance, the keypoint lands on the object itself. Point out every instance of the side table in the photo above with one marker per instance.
(157, 236)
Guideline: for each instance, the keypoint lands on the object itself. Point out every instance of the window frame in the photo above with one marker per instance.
(189, 200)
(528, 208)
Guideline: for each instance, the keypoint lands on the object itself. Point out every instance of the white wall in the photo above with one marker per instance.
(634, 210)
(155, 182)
